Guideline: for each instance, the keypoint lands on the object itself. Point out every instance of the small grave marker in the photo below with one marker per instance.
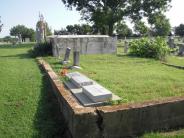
(67, 55)
(97, 93)
(76, 56)
(80, 80)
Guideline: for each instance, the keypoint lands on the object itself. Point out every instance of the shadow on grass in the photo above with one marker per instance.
(20, 56)
(48, 120)
(126, 55)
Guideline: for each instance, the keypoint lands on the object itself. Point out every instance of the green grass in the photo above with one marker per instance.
(176, 60)
(170, 134)
(133, 79)
(28, 107)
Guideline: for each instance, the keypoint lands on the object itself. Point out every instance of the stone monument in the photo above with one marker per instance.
(19, 38)
(40, 29)
(76, 54)
(171, 42)
(87, 91)
(67, 55)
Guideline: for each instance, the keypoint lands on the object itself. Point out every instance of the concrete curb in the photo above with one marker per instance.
(124, 120)
(172, 65)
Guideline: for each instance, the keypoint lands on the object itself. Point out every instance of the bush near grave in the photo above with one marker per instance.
(150, 48)
(42, 49)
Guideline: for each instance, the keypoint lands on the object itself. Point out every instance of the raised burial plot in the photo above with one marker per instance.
(123, 120)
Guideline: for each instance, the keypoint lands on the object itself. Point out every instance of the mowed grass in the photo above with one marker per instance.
(176, 60)
(133, 79)
(170, 134)
(28, 107)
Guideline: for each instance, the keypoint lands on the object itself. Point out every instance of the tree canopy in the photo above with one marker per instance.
(140, 28)
(22, 32)
(105, 13)
(75, 29)
(160, 24)
(123, 30)
(179, 30)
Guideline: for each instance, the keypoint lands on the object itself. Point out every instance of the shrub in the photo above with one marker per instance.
(42, 49)
(144, 47)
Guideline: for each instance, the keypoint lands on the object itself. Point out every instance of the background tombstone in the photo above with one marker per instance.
(126, 46)
(19, 38)
(171, 42)
(67, 55)
(76, 54)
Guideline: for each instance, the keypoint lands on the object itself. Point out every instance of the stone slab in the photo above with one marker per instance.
(83, 99)
(72, 74)
(97, 93)
(80, 80)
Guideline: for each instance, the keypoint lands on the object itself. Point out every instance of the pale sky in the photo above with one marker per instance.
(14, 12)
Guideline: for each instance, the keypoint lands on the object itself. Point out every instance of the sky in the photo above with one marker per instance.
(26, 12)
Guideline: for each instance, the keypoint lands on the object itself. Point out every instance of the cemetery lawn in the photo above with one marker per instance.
(133, 79)
(170, 134)
(27, 105)
(176, 60)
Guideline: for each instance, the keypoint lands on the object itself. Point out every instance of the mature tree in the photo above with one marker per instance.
(123, 30)
(74, 29)
(86, 29)
(7, 39)
(179, 30)
(105, 13)
(28, 33)
(22, 32)
(63, 31)
(17, 31)
(140, 28)
(79, 29)
(160, 24)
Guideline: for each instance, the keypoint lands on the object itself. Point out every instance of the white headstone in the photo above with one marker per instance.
(79, 80)
(97, 93)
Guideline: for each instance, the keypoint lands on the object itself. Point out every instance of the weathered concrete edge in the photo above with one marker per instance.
(76, 116)
(172, 65)
(105, 120)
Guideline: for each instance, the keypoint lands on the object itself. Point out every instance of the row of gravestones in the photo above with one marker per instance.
(76, 56)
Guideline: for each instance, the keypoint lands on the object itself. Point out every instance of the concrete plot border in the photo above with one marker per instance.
(172, 65)
(117, 120)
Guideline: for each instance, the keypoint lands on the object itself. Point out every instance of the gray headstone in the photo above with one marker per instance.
(73, 74)
(80, 80)
(171, 42)
(97, 93)
(67, 55)
(76, 55)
